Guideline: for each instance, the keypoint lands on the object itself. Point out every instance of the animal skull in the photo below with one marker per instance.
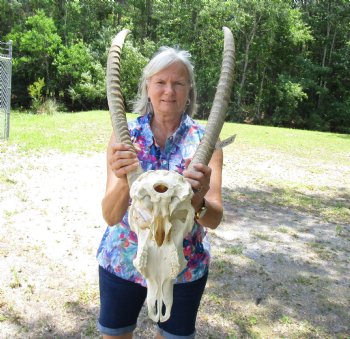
(161, 215)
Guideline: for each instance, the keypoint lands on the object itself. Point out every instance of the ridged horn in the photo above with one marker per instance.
(115, 98)
(220, 104)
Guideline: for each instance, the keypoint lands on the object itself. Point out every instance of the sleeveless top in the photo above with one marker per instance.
(118, 246)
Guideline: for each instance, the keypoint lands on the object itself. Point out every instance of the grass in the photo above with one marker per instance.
(285, 320)
(304, 280)
(297, 197)
(321, 250)
(89, 131)
(86, 132)
(306, 144)
(64, 132)
(262, 236)
(15, 283)
(234, 250)
(6, 180)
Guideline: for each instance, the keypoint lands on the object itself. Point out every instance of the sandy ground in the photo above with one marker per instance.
(276, 271)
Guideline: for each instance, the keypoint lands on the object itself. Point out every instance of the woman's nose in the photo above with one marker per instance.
(169, 88)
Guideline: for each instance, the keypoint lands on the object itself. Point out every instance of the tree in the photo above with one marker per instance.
(81, 77)
(327, 104)
(292, 57)
(35, 46)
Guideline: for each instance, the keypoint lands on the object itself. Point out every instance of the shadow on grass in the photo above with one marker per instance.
(334, 208)
(48, 326)
(281, 269)
(255, 300)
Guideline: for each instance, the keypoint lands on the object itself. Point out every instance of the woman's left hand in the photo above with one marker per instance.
(199, 179)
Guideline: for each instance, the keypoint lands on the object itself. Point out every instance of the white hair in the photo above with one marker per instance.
(165, 57)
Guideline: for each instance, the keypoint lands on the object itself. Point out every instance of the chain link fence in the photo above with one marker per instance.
(5, 88)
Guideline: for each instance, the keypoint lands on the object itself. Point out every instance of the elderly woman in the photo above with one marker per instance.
(166, 137)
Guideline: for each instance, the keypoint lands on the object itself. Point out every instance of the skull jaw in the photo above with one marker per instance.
(161, 220)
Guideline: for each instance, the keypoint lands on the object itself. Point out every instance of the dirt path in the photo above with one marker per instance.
(276, 271)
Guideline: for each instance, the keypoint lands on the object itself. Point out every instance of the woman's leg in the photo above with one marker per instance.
(123, 336)
(187, 297)
(120, 304)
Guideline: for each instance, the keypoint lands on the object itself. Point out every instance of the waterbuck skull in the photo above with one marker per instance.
(161, 213)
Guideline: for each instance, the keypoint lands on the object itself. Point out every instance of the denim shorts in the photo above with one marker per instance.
(121, 302)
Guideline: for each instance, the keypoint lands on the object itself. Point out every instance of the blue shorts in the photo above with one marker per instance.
(122, 300)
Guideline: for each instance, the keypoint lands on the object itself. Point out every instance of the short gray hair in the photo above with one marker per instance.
(165, 57)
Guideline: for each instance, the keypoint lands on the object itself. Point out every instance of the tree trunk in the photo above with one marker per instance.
(261, 88)
(148, 21)
(246, 61)
(118, 18)
(322, 82)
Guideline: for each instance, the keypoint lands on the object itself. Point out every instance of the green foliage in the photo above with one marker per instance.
(35, 44)
(72, 60)
(50, 106)
(288, 94)
(35, 92)
(81, 77)
(131, 69)
(292, 58)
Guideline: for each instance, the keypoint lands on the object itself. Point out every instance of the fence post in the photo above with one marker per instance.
(5, 88)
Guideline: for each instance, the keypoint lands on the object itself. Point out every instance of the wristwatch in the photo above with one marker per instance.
(201, 212)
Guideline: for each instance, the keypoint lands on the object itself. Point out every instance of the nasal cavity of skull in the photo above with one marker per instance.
(155, 308)
(160, 231)
(160, 188)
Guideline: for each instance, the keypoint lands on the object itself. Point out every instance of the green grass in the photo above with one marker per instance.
(85, 132)
(65, 132)
(15, 283)
(234, 250)
(285, 194)
(301, 143)
(89, 131)
(262, 236)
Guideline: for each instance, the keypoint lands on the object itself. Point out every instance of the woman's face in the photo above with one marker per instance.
(169, 89)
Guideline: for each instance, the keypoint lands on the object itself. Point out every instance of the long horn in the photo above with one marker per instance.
(221, 100)
(115, 98)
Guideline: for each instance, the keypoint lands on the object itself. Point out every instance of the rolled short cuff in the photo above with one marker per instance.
(115, 331)
(167, 335)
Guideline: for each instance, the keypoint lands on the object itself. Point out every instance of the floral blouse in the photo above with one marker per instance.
(118, 246)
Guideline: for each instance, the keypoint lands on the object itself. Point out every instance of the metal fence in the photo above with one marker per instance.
(5, 88)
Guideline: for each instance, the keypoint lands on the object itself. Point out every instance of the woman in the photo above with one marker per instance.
(166, 137)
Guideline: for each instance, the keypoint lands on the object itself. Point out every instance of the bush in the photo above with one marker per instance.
(50, 106)
(82, 76)
(289, 94)
(35, 92)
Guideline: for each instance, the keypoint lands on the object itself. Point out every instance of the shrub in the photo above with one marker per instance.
(35, 92)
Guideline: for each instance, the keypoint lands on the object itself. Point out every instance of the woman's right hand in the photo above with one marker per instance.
(122, 159)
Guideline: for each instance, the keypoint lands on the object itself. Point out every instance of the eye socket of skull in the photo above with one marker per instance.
(160, 187)
(179, 215)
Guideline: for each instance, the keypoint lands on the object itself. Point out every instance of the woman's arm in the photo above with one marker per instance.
(206, 182)
(120, 161)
